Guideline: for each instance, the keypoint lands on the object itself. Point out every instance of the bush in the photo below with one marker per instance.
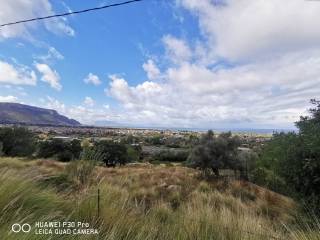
(92, 154)
(264, 177)
(17, 142)
(155, 140)
(295, 157)
(113, 153)
(1, 149)
(75, 148)
(62, 151)
(134, 153)
(172, 156)
(65, 156)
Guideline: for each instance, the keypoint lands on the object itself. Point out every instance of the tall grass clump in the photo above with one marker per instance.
(22, 201)
(80, 172)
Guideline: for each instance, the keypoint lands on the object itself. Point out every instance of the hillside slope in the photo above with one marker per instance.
(15, 113)
(142, 201)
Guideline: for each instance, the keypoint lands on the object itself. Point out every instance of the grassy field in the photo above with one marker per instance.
(143, 201)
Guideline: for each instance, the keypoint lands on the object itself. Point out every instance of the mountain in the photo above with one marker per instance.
(15, 113)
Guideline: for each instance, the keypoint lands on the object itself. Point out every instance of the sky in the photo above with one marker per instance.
(165, 63)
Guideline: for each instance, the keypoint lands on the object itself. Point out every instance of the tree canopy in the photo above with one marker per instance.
(114, 153)
(216, 152)
(17, 141)
(295, 157)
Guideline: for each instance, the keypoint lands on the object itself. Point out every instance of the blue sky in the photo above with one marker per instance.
(105, 42)
(183, 63)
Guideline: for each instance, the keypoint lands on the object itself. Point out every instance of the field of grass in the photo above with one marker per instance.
(143, 201)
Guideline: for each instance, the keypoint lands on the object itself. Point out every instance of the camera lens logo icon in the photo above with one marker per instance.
(25, 228)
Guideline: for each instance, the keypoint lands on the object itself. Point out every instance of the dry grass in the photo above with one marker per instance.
(144, 201)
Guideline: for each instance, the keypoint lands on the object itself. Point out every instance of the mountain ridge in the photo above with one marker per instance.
(16, 113)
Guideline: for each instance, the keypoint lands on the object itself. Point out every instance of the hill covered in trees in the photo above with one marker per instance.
(15, 113)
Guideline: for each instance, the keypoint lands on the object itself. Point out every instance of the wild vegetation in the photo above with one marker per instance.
(276, 195)
(290, 162)
(214, 153)
(143, 202)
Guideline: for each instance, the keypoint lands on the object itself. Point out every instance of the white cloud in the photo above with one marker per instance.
(270, 69)
(92, 79)
(53, 103)
(132, 97)
(177, 50)
(52, 54)
(49, 76)
(84, 114)
(275, 70)
(259, 94)
(88, 101)
(151, 69)
(8, 98)
(59, 26)
(242, 29)
(16, 74)
(25, 9)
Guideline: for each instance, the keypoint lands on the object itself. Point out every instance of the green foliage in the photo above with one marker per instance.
(17, 141)
(134, 153)
(264, 177)
(214, 153)
(92, 154)
(130, 139)
(75, 148)
(172, 156)
(248, 161)
(295, 157)
(1, 149)
(154, 140)
(193, 140)
(59, 149)
(114, 153)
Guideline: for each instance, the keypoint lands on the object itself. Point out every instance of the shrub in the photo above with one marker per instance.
(155, 140)
(1, 149)
(134, 153)
(64, 156)
(62, 151)
(17, 142)
(113, 153)
(269, 179)
(172, 156)
(295, 156)
(92, 154)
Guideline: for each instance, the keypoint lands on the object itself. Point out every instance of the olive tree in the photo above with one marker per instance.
(216, 152)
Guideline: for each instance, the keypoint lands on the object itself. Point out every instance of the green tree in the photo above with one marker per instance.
(248, 161)
(92, 154)
(17, 141)
(306, 154)
(134, 153)
(155, 140)
(295, 158)
(114, 153)
(75, 148)
(214, 153)
(59, 149)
